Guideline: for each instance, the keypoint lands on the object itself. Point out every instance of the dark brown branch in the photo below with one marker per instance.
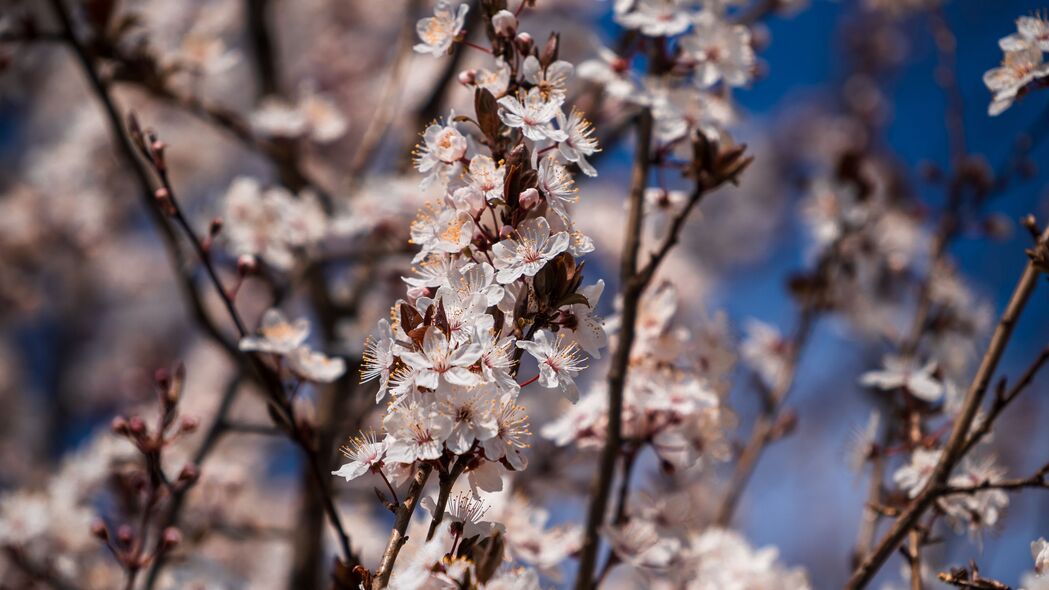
(952, 452)
(631, 290)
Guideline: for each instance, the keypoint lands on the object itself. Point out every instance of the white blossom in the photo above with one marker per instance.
(439, 31)
(527, 252)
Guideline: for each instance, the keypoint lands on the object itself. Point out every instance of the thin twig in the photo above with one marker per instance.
(959, 433)
(631, 290)
(762, 432)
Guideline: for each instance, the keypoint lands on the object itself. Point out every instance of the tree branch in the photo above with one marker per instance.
(952, 452)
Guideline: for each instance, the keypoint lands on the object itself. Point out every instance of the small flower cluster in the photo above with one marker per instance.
(688, 81)
(287, 341)
(713, 559)
(674, 394)
(497, 275)
(973, 511)
(271, 224)
(1023, 65)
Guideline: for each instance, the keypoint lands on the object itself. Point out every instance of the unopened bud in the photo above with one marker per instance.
(162, 377)
(467, 77)
(189, 474)
(163, 198)
(172, 537)
(158, 147)
(125, 534)
(136, 425)
(417, 292)
(99, 530)
(505, 23)
(189, 424)
(529, 198)
(524, 43)
(247, 265)
(119, 426)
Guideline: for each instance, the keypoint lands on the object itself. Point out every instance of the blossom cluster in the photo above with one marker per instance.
(1023, 64)
(497, 275)
(674, 398)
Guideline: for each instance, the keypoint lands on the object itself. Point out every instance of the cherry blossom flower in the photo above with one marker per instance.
(1031, 31)
(1040, 555)
(470, 412)
(443, 230)
(439, 360)
(587, 329)
(378, 358)
(529, 251)
(315, 366)
(913, 476)
(511, 435)
(439, 31)
(486, 178)
(558, 359)
(276, 334)
(1019, 68)
(464, 515)
(557, 185)
(533, 114)
(655, 18)
(272, 223)
(721, 51)
(439, 154)
(903, 373)
(980, 510)
(718, 558)
(765, 351)
(611, 72)
(417, 433)
(639, 544)
(495, 80)
(365, 453)
(580, 142)
(552, 82)
(314, 115)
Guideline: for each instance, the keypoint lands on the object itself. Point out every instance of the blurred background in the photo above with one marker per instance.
(90, 306)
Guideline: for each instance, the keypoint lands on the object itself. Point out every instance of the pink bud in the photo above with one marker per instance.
(136, 425)
(172, 537)
(505, 23)
(189, 424)
(247, 265)
(125, 534)
(119, 425)
(524, 42)
(467, 77)
(190, 473)
(529, 198)
(99, 530)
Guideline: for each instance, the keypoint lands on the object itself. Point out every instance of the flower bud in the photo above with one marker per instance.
(505, 23)
(188, 424)
(467, 77)
(119, 426)
(171, 537)
(189, 474)
(99, 530)
(125, 534)
(247, 265)
(524, 43)
(136, 425)
(529, 198)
